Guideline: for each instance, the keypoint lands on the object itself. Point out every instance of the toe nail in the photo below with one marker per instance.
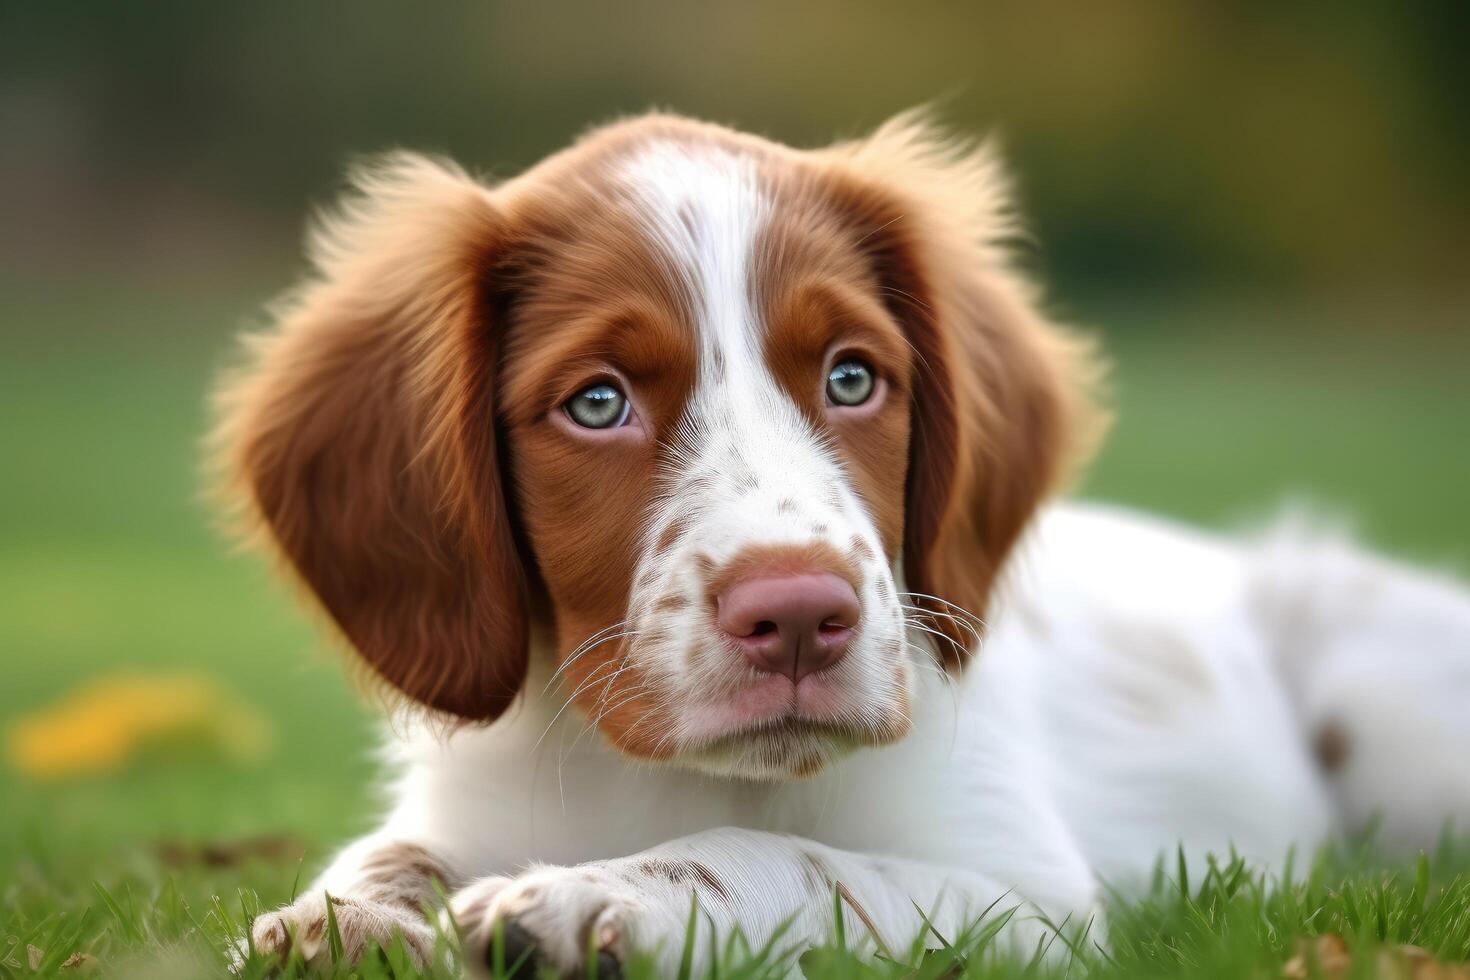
(608, 967)
(518, 952)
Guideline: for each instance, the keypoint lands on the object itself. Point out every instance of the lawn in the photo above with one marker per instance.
(109, 565)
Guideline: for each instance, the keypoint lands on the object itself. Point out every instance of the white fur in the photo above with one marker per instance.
(1134, 695)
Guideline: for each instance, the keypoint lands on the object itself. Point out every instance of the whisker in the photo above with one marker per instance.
(657, 712)
(929, 621)
(934, 619)
(628, 694)
(603, 708)
(942, 636)
(611, 628)
(952, 605)
(583, 649)
(591, 680)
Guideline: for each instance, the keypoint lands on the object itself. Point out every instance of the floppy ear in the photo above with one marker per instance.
(1003, 402)
(361, 434)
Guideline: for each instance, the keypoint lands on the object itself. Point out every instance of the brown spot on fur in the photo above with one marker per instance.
(708, 879)
(400, 861)
(402, 874)
(656, 635)
(685, 873)
(280, 938)
(744, 478)
(1332, 747)
(475, 912)
(676, 527)
(673, 602)
(815, 873)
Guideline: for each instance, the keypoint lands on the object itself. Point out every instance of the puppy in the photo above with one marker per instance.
(672, 485)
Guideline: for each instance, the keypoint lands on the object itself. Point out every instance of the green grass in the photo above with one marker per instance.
(108, 563)
(1232, 924)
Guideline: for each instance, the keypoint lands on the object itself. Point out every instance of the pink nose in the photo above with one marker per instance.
(790, 624)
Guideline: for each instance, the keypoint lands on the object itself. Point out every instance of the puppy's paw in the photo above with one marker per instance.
(570, 920)
(302, 927)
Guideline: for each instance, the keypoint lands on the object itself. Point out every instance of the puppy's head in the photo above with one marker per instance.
(744, 432)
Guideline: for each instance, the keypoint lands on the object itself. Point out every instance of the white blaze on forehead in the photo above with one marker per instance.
(704, 207)
(748, 468)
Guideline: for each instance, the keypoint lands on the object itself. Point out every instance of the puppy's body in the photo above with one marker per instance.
(725, 639)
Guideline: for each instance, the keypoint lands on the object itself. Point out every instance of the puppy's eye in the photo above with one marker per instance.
(850, 382)
(599, 406)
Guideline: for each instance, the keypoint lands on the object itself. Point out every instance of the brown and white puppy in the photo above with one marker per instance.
(722, 443)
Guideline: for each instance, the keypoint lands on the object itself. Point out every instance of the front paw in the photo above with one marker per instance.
(570, 920)
(302, 928)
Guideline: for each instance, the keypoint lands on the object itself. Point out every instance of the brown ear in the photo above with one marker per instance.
(362, 436)
(1003, 403)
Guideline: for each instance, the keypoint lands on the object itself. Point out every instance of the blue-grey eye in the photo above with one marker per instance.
(599, 406)
(850, 382)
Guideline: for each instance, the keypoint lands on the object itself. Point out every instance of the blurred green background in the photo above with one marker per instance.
(1260, 207)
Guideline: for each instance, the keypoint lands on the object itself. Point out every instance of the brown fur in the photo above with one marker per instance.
(1002, 403)
(598, 301)
(403, 874)
(686, 873)
(356, 435)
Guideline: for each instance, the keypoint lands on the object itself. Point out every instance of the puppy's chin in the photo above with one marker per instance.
(787, 749)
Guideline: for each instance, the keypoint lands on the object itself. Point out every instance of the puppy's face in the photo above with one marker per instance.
(696, 402)
(707, 411)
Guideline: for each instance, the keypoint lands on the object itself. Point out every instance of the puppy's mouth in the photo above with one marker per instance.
(773, 727)
(815, 702)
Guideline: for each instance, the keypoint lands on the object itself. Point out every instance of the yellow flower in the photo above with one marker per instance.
(104, 723)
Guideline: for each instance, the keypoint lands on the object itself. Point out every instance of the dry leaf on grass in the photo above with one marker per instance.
(102, 724)
(1333, 961)
(229, 853)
